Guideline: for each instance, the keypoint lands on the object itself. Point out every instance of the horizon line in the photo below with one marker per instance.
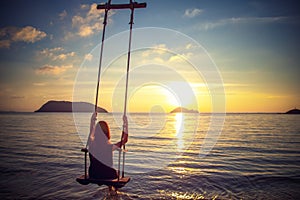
(144, 112)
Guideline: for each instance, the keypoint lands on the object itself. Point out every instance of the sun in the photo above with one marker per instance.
(171, 98)
(180, 93)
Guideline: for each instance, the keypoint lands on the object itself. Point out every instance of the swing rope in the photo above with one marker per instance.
(100, 61)
(125, 122)
(98, 82)
(132, 5)
(101, 53)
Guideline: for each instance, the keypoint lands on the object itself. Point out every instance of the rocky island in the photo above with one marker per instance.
(67, 106)
(293, 111)
(183, 110)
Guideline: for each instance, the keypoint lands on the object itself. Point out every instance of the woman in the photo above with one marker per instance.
(101, 149)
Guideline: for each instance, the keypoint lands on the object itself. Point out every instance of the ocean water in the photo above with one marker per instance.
(256, 156)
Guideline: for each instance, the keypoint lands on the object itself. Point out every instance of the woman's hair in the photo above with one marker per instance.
(105, 129)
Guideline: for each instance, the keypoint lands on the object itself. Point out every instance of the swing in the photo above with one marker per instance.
(121, 180)
(116, 183)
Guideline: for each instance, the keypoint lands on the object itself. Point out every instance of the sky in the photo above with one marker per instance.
(47, 47)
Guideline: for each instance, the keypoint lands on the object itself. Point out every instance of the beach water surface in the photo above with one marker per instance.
(256, 156)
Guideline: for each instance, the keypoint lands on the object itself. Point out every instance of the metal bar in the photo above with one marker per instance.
(85, 161)
(119, 165)
(132, 5)
(123, 170)
(85, 165)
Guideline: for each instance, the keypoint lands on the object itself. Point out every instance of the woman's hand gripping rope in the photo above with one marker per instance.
(125, 130)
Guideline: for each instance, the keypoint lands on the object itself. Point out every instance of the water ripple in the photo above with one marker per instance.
(256, 157)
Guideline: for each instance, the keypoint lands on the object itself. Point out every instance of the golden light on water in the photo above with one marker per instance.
(186, 195)
(179, 127)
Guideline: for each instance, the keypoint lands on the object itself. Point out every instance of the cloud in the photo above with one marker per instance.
(50, 52)
(158, 49)
(189, 46)
(88, 23)
(77, 21)
(190, 13)
(84, 6)
(242, 20)
(5, 44)
(276, 96)
(26, 34)
(17, 97)
(69, 35)
(39, 84)
(64, 56)
(52, 70)
(62, 15)
(180, 58)
(176, 58)
(88, 57)
(55, 53)
(85, 31)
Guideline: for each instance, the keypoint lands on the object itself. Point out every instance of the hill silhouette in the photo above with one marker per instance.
(67, 106)
(293, 111)
(183, 110)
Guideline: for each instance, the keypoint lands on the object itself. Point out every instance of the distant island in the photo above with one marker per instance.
(67, 106)
(293, 111)
(183, 110)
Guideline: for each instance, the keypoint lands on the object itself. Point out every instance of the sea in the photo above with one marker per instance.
(250, 156)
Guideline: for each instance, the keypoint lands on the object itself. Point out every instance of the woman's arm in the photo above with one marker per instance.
(124, 134)
(92, 127)
(122, 142)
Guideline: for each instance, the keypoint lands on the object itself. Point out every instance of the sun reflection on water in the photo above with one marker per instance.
(186, 195)
(179, 127)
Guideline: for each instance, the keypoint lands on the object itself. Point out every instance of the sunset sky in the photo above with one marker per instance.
(254, 44)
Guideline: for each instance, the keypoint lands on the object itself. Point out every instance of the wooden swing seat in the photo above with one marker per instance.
(109, 182)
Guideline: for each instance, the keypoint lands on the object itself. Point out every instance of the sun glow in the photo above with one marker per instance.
(153, 96)
(171, 98)
(181, 94)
